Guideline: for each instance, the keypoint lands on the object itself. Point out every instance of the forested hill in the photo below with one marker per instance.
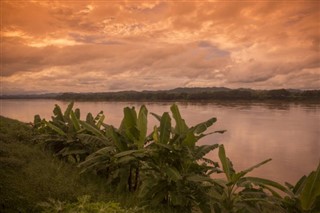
(183, 94)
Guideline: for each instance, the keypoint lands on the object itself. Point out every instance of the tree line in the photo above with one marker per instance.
(196, 95)
(182, 94)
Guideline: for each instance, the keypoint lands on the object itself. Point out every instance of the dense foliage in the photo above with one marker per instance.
(184, 94)
(198, 94)
(166, 167)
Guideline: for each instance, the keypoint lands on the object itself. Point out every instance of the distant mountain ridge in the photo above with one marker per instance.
(180, 94)
(199, 89)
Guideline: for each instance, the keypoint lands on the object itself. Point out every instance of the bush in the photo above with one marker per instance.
(29, 176)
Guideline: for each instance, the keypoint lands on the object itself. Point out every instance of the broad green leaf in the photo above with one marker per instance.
(155, 134)
(172, 173)
(199, 178)
(129, 124)
(201, 127)
(68, 110)
(126, 159)
(204, 135)
(90, 119)
(225, 162)
(98, 116)
(266, 182)
(75, 121)
(289, 186)
(299, 185)
(77, 113)
(111, 132)
(244, 172)
(181, 127)
(165, 128)
(126, 153)
(209, 161)
(201, 151)
(101, 152)
(91, 139)
(311, 190)
(99, 159)
(56, 129)
(190, 139)
(273, 192)
(58, 113)
(37, 121)
(93, 130)
(131, 114)
(142, 126)
(158, 117)
(100, 120)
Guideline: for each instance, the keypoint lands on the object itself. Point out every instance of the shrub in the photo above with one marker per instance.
(84, 205)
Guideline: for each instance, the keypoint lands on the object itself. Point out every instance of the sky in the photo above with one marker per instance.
(104, 45)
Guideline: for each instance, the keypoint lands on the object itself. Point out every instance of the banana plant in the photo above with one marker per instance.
(176, 171)
(119, 160)
(239, 193)
(64, 134)
(167, 166)
(305, 194)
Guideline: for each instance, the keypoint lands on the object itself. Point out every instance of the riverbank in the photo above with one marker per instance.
(32, 180)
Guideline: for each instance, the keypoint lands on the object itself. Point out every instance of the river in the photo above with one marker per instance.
(289, 133)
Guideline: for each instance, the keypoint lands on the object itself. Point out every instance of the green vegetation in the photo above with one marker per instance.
(197, 94)
(184, 94)
(90, 166)
(85, 205)
(29, 175)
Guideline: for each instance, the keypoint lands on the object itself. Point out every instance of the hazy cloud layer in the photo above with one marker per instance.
(89, 46)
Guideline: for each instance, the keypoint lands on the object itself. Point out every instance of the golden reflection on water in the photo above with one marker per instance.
(289, 133)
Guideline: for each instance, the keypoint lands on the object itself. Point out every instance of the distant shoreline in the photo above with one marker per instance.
(210, 94)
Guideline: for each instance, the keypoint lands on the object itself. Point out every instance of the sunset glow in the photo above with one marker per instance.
(99, 46)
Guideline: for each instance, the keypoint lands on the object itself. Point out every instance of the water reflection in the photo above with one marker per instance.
(286, 132)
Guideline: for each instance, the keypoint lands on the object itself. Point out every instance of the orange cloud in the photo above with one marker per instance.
(158, 45)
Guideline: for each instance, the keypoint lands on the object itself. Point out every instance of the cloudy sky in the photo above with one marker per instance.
(100, 45)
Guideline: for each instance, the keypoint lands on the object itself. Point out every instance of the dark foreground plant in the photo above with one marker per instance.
(114, 160)
(66, 137)
(176, 172)
(163, 167)
(304, 196)
(239, 193)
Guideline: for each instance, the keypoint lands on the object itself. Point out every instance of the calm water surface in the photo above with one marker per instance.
(286, 132)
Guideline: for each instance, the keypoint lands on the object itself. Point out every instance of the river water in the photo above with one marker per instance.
(289, 133)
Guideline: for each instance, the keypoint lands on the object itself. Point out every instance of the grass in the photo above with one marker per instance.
(29, 176)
